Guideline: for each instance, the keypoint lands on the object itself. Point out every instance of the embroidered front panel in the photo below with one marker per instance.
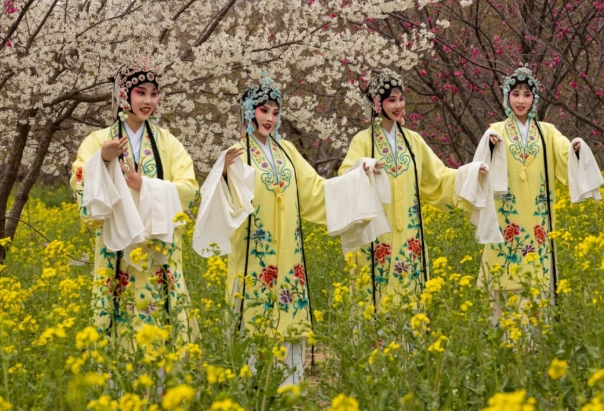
(280, 176)
(396, 159)
(146, 158)
(515, 144)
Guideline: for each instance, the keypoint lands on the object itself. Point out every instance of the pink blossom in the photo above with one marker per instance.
(9, 43)
(573, 84)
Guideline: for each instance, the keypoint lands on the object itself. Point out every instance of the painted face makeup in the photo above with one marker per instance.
(394, 106)
(144, 99)
(521, 101)
(267, 117)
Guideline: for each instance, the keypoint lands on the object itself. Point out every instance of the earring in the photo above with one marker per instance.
(508, 112)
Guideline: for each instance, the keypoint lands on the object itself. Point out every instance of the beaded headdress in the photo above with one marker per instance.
(258, 95)
(377, 88)
(521, 75)
(138, 69)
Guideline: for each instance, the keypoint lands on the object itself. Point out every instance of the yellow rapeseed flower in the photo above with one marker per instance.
(150, 334)
(437, 346)
(594, 405)
(466, 305)
(513, 401)
(177, 396)
(292, 389)
(87, 337)
(440, 263)
(318, 316)
(595, 377)
(143, 380)
(344, 403)
(420, 322)
(132, 402)
(279, 352)
(245, 372)
(465, 281)
(557, 369)
(5, 405)
(104, 403)
(215, 374)
(226, 405)
(311, 337)
(564, 287)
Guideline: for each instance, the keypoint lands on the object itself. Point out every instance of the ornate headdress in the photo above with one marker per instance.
(256, 96)
(521, 75)
(138, 69)
(377, 87)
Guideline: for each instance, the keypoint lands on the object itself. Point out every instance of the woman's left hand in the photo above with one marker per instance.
(576, 146)
(377, 169)
(134, 178)
(484, 169)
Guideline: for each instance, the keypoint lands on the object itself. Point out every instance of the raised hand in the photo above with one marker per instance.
(134, 178)
(377, 169)
(113, 148)
(484, 169)
(494, 139)
(231, 154)
(576, 146)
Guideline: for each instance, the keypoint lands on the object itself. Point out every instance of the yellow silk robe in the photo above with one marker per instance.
(275, 290)
(522, 212)
(397, 256)
(148, 285)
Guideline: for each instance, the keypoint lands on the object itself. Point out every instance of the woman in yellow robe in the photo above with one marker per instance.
(398, 261)
(158, 292)
(536, 154)
(267, 263)
(267, 279)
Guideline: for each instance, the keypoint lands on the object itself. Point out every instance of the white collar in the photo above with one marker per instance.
(392, 133)
(134, 134)
(264, 145)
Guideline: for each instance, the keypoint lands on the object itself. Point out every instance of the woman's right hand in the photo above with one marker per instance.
(494, 139)
(113, 148)
(231, 154)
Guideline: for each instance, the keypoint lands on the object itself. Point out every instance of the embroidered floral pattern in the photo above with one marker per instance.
(269, 276)
(516, 146)
(396, 159)
(518, 240)
(275, 178)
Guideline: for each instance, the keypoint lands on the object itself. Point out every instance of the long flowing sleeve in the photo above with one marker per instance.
(311, 187)
(90, 146)
(223, 208)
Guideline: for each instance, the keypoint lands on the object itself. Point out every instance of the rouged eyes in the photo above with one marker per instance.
(264, 111)
(142, 93)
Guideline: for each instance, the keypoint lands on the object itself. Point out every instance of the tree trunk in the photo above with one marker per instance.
(11, 170)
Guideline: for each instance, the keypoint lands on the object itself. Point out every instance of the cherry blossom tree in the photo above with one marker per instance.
(455, 93)
(57, 58)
